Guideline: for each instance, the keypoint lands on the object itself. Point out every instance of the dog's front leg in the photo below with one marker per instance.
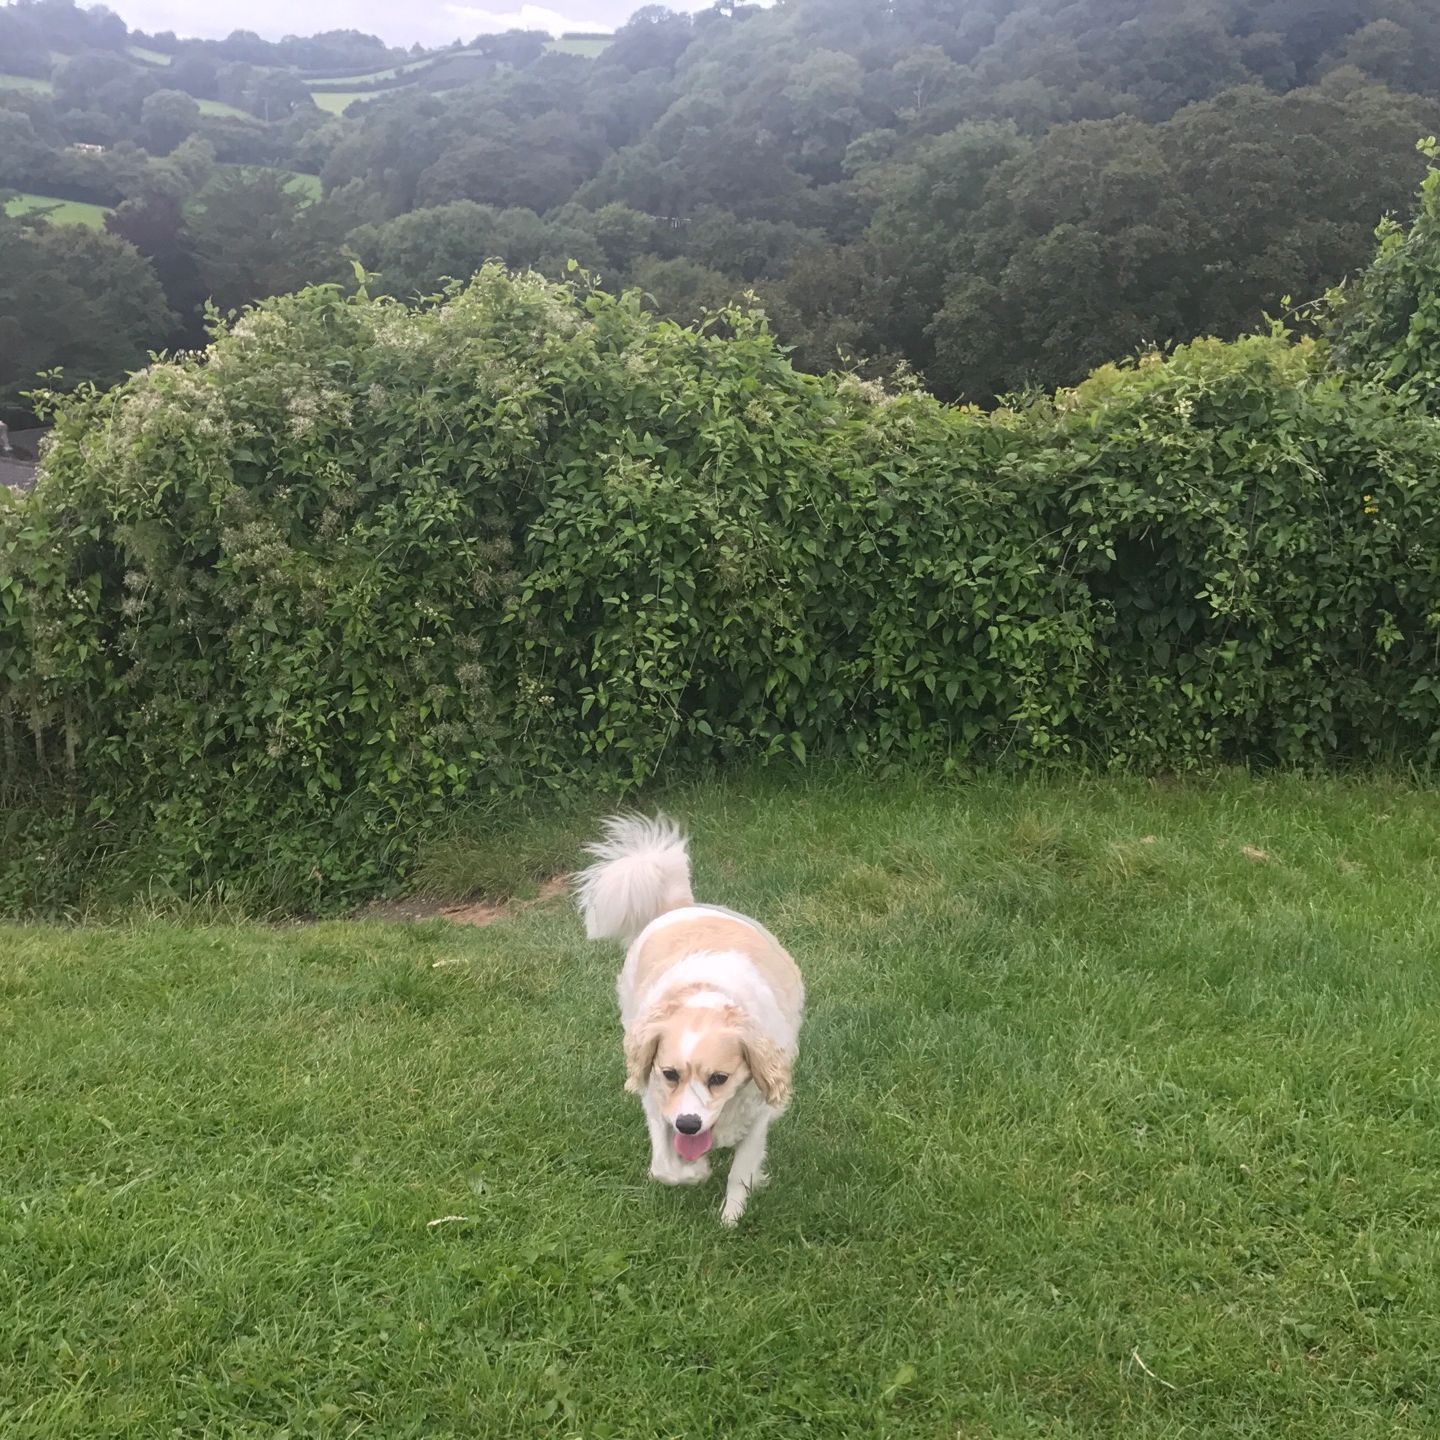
(747, 1172)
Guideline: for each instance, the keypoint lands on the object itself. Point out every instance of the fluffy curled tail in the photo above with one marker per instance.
(641, 870)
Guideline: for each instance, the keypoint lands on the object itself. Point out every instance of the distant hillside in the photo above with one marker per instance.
(996, 195)
(243, 74)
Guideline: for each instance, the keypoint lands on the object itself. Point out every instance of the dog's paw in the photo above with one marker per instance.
(681, 1174)
(694, 1174)
(734, 1209)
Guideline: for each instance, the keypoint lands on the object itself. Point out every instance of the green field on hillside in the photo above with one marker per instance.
(370, 77)
(61, 212)
(309, 185)
(336, 102)
(588, 48)
(1116, 1115)
(26, 82)
(219, 107)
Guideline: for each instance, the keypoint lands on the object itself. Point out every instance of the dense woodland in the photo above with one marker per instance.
(995, 194)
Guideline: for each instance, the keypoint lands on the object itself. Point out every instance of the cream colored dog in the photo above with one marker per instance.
(710, 1002)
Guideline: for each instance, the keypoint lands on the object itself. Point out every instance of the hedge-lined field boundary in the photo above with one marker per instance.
(280, 603)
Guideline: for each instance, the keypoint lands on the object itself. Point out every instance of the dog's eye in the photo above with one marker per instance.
(671, 1075)
(718, 1080)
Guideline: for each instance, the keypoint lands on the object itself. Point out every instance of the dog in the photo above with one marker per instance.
(710, 1003)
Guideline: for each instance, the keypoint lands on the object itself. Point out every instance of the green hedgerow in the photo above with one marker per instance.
(277, 606)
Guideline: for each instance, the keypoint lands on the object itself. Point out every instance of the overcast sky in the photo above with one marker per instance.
(431, 22)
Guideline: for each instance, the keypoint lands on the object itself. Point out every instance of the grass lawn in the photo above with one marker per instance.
(370, 76)
(61, 212)
(26, 82)
(219, 107)
(588, 48)
(1118, 1113)
(336, 102)
(309, 186)
(150, 57)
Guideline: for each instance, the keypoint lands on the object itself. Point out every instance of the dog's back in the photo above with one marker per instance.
(702, 936)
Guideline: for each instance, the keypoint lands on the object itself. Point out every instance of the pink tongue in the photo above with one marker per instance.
(692, 1147)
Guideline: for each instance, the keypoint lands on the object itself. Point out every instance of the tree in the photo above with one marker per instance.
(1385, 52)
(1108, 236)
(73, 298)
(822, 305)
(154, 223)
(517, 48)
(681, 289)
(415, 254)
(824, 96)
(391, 147)
(922, 80)
(197, 74)
(166, 118)
(907, 179)
(623, 235)
(23, 43)
(22, 152)
(494, 170)
(276, 94)
(244, 229)
(194, 160)
(97, 79)
(654, 38)
(1383, 323)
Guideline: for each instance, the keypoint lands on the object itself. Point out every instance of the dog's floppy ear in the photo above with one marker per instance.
(769, 1067)
(642, 1040)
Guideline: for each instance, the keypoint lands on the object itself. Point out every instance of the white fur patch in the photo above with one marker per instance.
(641, 868)
(707, 1000)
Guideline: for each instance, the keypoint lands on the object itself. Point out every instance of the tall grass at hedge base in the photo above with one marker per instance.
(276, 607)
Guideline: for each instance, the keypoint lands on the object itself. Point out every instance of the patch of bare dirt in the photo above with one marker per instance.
(478, 913)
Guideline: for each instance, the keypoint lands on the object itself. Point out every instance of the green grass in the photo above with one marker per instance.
(371, 76)
(588, 48)
(219, 107)
(336, 102)
(308, 185)
(26, 82)
(422, 62)
(1103, 1127)
(61, 212)
(150, 57)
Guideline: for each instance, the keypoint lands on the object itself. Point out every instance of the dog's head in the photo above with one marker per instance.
(695, 1052)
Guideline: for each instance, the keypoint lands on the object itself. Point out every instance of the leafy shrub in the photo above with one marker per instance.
(1386, 323)
(277, 607)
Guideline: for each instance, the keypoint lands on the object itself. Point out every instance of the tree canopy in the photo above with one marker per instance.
(996, 193)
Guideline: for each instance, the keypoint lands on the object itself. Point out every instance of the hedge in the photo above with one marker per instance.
(283, 603)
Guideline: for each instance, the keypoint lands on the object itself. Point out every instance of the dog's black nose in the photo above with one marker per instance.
(688, 1124)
